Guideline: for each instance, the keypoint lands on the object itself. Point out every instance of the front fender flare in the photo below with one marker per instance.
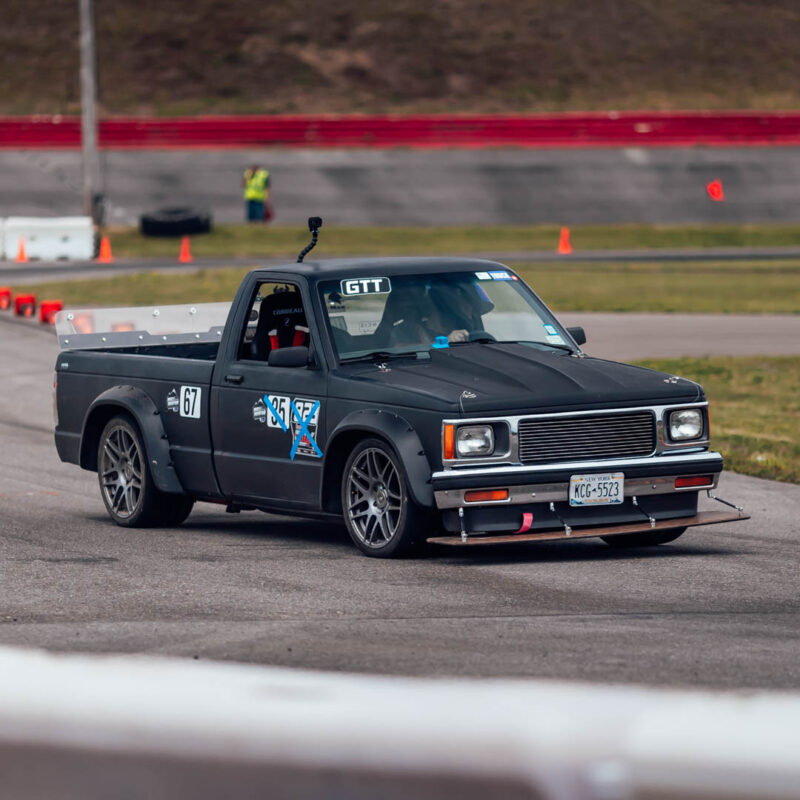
(402, 436)
(142, 408)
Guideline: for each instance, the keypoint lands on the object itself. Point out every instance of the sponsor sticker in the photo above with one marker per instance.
(500, 275)
(550, 329)
(483, 276)
(554, 339)
(173, 403)
(259, 411)
(355, 286)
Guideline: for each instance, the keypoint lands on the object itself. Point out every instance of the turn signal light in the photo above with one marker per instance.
(697, 480)
(486, 496)
(449, 441)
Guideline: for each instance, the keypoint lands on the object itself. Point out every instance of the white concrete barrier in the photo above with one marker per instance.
(97, 727)
(49, 238)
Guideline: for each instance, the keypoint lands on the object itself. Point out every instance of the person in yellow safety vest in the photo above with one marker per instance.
(255, 182)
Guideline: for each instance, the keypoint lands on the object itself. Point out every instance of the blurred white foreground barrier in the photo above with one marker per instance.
(49, 238)
(101, 727)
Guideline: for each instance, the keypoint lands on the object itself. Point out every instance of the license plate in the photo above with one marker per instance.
(597, 490)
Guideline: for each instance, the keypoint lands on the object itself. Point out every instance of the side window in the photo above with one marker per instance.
(276, 320)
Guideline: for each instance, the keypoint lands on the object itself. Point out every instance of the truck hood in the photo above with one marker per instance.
(513, 378)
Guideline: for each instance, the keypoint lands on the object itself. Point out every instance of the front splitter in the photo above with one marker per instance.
(701, 518)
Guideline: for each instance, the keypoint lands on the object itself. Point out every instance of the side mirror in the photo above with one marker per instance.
(578, 334)
(288, 357)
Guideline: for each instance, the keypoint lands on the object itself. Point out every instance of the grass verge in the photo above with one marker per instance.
(746, 287)
(260, 242)
(732, 286)
(755, 410)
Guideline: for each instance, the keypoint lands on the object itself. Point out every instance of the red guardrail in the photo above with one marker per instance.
(613, 129)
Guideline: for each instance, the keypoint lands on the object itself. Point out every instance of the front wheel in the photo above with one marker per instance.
(643, 539)
(381, 518)
(126, 484)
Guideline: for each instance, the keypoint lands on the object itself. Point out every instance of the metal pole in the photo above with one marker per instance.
(91, 169)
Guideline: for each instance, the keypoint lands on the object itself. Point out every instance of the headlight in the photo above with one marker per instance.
(475, 440)
(685, 424)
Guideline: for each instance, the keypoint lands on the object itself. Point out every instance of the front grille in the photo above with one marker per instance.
(591, 437)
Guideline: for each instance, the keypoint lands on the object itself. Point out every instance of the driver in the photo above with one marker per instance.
(416, 315)
(460, 307)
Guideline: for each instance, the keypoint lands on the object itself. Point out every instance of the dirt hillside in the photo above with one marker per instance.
(256, 56)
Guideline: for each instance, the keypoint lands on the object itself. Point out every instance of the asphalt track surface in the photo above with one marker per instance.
(425, 187)
(718, 608)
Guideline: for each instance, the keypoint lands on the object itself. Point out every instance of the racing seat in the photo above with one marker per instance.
(281, 323)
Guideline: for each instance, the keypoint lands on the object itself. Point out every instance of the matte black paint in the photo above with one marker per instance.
(228, 454)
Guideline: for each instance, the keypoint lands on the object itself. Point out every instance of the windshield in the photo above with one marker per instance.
(407, 314)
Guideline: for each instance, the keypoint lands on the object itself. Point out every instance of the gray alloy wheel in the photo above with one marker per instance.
(126, 485)
(120, 469)
(381, 518)
(643, 539)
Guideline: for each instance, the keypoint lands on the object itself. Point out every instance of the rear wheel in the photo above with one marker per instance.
(643, 539)
(382, 519)
(126, 484)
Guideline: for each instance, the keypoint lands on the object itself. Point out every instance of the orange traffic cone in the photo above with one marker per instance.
(564, 247)
(22, 256)
(185, 256)
(105, 256)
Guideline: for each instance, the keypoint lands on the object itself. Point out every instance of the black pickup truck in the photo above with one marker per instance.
(418, 399)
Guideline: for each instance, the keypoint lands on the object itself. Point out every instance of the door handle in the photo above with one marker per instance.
(234, 378)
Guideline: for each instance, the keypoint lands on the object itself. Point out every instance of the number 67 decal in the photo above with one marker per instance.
(190, 402)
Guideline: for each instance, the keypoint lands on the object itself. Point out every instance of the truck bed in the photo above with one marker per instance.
(158, 371)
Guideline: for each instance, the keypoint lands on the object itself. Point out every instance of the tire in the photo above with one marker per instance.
(126, 483)
(381, 518)
(181, 221)
(643, 539)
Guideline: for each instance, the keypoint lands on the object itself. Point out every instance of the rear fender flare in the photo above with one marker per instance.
(402, 437)
(142, 408)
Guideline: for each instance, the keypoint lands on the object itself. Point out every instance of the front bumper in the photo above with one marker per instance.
(445, 482)
(538, 498)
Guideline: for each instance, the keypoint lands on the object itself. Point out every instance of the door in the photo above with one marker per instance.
(268, 423)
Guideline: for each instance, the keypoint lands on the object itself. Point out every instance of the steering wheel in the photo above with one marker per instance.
(477, 336)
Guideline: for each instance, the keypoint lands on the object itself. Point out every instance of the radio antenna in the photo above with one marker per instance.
(314, 224)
